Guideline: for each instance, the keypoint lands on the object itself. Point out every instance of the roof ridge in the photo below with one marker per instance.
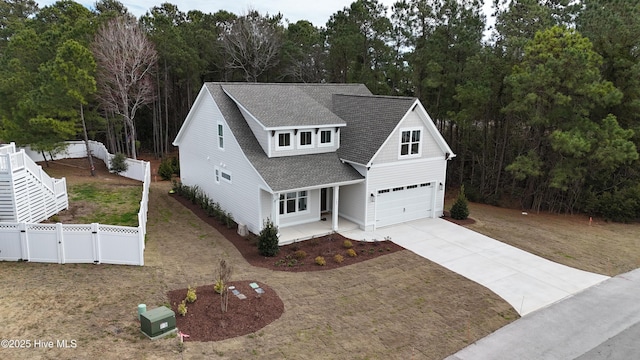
(222, 83)
(380, 96)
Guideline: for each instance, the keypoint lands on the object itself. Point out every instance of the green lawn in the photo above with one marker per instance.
(105, 203)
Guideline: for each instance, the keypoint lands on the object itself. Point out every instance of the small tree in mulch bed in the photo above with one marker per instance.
(460, 209)
(221, 285)
(268, 240)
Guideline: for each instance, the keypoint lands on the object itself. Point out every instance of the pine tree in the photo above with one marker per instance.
(268, 240)
(460, 209)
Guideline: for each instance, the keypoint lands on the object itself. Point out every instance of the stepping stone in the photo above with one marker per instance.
(259, 290)
(254, 285)
(235, 292)
(241, 296)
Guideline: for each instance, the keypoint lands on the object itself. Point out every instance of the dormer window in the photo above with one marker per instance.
(284, 140)
(410, 142)
(326, 137)
(305, 139)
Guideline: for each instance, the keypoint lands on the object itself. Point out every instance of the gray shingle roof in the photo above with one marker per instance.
(370, 121)
(271, 103)
(281, 173)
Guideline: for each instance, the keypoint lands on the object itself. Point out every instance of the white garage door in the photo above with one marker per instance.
(406, 203)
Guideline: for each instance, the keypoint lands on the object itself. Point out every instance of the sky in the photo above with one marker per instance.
(315, 11)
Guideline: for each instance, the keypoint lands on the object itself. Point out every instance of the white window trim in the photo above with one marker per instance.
(411, 130)
(228, 173)
(292, 140)
(296, 212)
(330, 143)
(299, 137)
(218, 136)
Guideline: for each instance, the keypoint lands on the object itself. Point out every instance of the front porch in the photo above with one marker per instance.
(294, 233)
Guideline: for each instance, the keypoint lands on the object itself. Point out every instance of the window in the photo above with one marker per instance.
(220, 136)
(305, 139)
(383, 191)
(293, 202)
(398, 188)
(410, 143)
(425, 184)
(284, 141)
(326, 138)
(226, 176)
(412, 186)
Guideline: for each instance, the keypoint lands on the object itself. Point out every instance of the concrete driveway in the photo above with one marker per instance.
(527, 282)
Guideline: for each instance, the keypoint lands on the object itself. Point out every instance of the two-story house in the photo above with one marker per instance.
(297, 153)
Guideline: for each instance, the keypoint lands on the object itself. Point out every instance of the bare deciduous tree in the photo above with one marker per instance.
(125, 59)
(252, 43)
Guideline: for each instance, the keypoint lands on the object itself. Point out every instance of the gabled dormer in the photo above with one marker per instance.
(285, 120)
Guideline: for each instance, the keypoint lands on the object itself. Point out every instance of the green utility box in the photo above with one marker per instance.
(158, 322)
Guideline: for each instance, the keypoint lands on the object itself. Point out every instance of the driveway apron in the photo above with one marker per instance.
(527, 282)
(602, 322)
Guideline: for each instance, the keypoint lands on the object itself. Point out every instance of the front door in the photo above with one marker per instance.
(323, 200)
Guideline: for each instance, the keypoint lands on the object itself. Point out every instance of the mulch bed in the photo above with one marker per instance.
(467, 221)
(205, 321)
(327, 246)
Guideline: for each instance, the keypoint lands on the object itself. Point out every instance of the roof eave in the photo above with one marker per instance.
(320, 186)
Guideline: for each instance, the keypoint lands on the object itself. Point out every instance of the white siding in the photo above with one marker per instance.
(266, 203)
(199, 154)
(312, 214)
(352, 202)
(296, 142)
(260, 134)
(403, 174)
(391, 150)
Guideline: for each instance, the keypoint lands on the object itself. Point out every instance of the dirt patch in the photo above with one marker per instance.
(205, 321)
(78, 171)
(287, 260)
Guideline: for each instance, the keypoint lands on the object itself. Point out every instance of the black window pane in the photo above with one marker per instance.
(404, 149)
(414, 148)
(406, 135)
(415, 136)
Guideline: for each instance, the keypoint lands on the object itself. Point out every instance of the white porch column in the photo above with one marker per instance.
(334, 209)
(275, 210)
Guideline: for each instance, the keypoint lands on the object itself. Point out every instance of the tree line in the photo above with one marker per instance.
(543, 114)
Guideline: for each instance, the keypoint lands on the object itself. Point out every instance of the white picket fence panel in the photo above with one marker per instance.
(71, 243)
(79, 243)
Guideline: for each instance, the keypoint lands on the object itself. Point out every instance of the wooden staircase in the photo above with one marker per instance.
(27, 193)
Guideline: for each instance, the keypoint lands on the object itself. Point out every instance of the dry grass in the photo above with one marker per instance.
(600, 247)
(399, 306)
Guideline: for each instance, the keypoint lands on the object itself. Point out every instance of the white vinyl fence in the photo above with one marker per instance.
(76, 243)
(77, 149)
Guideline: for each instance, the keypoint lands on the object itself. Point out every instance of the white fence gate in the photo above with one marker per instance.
(81, 243)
